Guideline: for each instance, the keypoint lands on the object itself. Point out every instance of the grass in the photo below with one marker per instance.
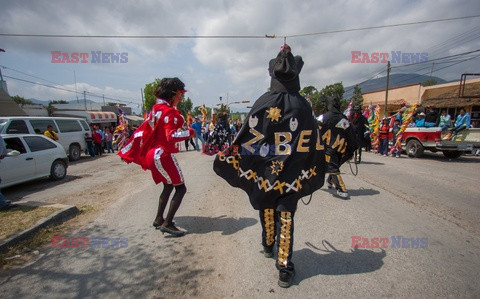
(24, 251)
(20, 218)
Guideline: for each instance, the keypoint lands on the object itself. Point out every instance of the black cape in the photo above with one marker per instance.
(337, 134)
(277, 157)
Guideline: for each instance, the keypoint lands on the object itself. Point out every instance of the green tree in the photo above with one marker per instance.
(149, 94)
(334, 90)
(314, 95)
(21, 101)
(57, 102)
(429, 82)
(357, 96)
(185, 106)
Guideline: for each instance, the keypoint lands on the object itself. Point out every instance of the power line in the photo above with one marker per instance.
(72, 91)
(383, 26)
(418, 75)
(231, 36)
(428, 61)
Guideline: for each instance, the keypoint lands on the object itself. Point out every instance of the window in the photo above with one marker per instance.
(37, 143)
(17, 126)
(85, 125)
(68, 125)
(15, 144)
(40, 125)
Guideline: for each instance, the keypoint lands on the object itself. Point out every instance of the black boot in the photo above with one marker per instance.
(285, 277)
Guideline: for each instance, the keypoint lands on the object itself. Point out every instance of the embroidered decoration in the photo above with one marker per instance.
(264, 149)
(293, 124)
(264, 184)
(175, 120)
(274, 113)
(181, 134)
(277, 167)
(252, 121)
(343, 124)
(166, 119)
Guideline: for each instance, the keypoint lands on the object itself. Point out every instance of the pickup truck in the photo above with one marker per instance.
(418, 139)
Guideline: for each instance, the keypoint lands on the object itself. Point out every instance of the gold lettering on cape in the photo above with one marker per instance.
(326, 136)
(279, 144)
(248, 144)
(319, 146)
(338, 143)
(304, 139)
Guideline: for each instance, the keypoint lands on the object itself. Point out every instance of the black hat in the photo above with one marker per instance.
(284, 71)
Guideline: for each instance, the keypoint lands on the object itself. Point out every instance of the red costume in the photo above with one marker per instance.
(153, 144)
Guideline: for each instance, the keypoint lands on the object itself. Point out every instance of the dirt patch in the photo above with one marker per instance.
(20, 218)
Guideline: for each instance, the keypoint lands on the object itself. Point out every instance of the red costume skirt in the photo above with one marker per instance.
(164, 167)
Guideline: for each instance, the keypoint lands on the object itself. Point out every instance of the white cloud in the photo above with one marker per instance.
(215, 67)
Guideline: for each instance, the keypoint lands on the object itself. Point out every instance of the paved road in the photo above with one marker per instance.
(414, 198)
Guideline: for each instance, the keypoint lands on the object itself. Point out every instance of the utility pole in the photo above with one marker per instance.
(143, 104)
(386, 90)
(103, 96)
(85, 99)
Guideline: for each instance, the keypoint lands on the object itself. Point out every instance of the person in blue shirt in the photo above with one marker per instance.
(462, 122)
(197, 126)
(420, 121)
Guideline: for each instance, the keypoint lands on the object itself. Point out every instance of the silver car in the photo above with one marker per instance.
(30, 157)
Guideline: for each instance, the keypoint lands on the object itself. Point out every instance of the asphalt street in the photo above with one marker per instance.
(433, 200)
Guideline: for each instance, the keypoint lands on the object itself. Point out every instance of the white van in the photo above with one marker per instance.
(71, 131)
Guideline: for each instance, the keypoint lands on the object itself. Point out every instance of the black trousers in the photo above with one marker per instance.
(337, 181)
(278, 225)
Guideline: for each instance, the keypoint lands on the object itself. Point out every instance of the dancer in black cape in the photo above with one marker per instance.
(277, 158)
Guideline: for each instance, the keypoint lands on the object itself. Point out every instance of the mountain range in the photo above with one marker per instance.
(395, 80)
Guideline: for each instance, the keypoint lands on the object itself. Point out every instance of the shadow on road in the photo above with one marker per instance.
(309, 263)
(17, 192)
(441, 158)
(142, 268)
(224, 224)
(371, 163)
(363, 192)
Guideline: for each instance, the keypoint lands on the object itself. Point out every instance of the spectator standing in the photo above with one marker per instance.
(109, 140)
(97, 141)
(189, 140)
(90, 147)
(197, 126)
(383, 137)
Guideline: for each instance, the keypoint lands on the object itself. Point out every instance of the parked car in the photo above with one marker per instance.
(71, 131)
(31, 157)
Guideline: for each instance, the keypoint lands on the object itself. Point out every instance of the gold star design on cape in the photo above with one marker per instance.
(277, 167)
(274, 113)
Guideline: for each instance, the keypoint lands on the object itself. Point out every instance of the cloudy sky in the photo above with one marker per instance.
(233, 68)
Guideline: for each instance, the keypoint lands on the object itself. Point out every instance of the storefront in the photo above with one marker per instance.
(100, 118)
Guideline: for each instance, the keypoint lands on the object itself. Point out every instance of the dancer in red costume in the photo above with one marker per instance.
(152, 146)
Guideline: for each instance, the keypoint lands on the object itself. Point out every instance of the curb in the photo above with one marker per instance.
(67, 212)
